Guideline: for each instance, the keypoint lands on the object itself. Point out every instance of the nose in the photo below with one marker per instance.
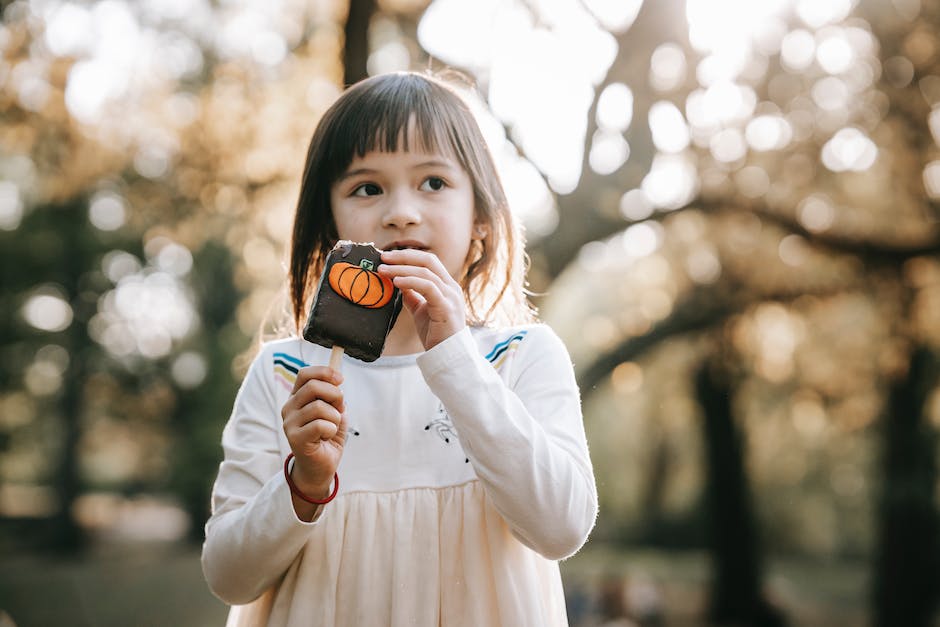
(401, 210)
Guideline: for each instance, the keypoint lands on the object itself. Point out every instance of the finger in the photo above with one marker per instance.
(321, 373)
(412, 299)
(415, 258)
(311, 392)
(342, 430)
(420, 272)
(316, 389)
(317, 410)
(321, 430)
(317, 431)
(435, 297)
(297, 423)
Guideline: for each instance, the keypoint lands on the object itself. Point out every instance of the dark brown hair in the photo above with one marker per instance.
(376, 114)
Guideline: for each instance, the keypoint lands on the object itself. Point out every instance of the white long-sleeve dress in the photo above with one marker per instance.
(465, 476)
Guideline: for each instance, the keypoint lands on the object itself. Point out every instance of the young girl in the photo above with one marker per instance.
(438, 484)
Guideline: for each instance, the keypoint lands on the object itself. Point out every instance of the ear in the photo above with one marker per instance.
(480, 231)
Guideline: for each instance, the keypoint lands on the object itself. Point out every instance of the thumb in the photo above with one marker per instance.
(412, 300)
(341, 431)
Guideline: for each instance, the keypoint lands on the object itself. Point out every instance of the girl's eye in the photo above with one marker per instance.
(433, 184)
(367, 189)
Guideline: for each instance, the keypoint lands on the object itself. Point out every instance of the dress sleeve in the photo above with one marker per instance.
(524, 438)
(253, 534)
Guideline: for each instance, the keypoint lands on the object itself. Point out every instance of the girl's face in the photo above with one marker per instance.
(408, 200)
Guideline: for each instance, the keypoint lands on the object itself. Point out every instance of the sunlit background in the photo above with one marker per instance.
(723, 199)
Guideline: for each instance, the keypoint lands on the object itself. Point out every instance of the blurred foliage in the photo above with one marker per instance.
(812, 278)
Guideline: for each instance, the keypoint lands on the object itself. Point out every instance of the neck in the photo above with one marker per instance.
(403, 338)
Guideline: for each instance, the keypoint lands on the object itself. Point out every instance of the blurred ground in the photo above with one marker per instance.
(157, 584)
(145, 585)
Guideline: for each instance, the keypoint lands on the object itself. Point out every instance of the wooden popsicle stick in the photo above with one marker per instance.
(336, 358)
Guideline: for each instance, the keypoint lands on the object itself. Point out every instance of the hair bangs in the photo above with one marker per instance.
(397, 115)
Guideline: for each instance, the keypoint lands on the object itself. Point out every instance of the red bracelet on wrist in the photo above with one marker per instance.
(301, 495)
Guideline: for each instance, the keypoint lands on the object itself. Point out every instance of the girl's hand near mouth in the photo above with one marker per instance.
(434, 298)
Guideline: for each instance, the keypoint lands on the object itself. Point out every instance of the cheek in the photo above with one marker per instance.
(347, 223)
(466, 250)
(340, 227)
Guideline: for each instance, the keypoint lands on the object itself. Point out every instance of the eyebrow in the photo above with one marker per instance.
(432, 163)
(348, 174)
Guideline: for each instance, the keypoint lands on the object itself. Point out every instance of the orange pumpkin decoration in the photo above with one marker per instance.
(361, 284)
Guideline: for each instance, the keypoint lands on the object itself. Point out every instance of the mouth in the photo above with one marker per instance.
(405, 245)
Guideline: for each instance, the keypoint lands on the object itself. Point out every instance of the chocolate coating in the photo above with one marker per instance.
(334, 320)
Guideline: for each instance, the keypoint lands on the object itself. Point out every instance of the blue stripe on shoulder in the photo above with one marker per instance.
(500, 348)
(286, 365)
(290, 358)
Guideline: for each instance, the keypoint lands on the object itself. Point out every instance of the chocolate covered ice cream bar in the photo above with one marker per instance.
(354, 307)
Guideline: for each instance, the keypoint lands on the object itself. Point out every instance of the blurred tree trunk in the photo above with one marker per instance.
(654, 525)
(356, 47)
(197, 455)
(66, 534)
(737, 577)
(907, 566)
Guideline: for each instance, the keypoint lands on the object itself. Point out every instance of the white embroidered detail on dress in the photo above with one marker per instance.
(443, 426)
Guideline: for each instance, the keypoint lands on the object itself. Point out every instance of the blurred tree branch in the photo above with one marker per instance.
(875, 252)
(591, 211)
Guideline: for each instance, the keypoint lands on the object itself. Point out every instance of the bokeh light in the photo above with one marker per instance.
(816, 13)
(643, 239)
(106, 211)
(11, 206)
(668, 67)
(672, 181)
(615, 108)
(635, 206)
(834, 53)
(150, 308)
(608, 152)
(816, 213)
(668, 127)
(189, 369)
(849, 149)
(798, 50)
(932, 179)
(47, 309)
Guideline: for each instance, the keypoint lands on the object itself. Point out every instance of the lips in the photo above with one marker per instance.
(405, 245)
